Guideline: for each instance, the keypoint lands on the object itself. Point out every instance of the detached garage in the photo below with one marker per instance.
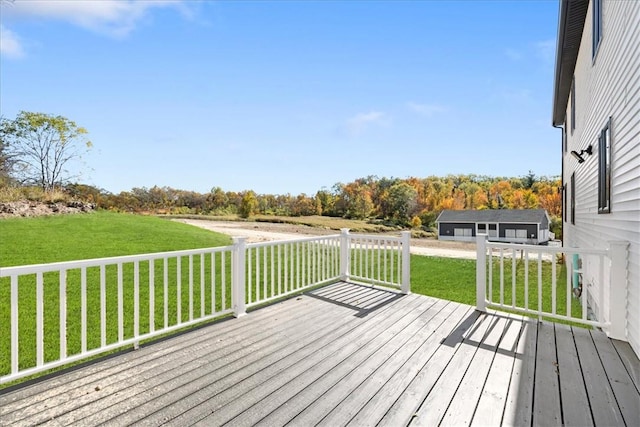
(530, 226)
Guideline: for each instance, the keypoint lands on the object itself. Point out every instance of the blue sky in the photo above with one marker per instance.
(288, 97)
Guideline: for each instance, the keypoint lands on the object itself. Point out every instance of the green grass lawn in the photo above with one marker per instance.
(446, 278)
(100, 234)
(455, 280)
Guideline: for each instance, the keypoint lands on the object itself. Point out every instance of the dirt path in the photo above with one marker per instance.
(264, 232)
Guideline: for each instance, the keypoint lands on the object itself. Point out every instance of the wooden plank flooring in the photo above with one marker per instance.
(352, 355)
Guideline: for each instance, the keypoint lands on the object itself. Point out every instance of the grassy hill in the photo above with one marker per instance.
(96, 235)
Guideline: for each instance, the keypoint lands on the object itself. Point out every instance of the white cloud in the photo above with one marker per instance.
(10, 45)
(116, 18)
(427, 110)
(361, 121)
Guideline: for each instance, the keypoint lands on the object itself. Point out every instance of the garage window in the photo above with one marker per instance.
(462, 232)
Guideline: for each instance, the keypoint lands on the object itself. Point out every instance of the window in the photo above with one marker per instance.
(573, 198)
(521, 234)
(573, 105)
(604, 169)
(565, 207)
(510, 233)
(597, 26)
(462, 232)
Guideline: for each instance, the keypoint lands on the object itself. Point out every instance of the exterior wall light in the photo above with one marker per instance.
(588, 150)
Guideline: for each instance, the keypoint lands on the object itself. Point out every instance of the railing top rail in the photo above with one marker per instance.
(547, 249)
(97, 262)
(386, 237)
(297, 240)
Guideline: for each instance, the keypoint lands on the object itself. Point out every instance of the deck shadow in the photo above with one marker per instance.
(467, 328)
(362, 299)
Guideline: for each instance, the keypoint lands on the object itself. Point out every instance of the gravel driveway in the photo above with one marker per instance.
(264, 232)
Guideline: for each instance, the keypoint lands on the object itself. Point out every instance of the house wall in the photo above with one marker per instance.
(544, 225)
(532, 229)
(608, 86)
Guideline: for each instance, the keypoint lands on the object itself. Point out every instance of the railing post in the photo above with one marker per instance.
(618, 255)
(406, 262)
(481, 272)
(238, 274)
(345, 255)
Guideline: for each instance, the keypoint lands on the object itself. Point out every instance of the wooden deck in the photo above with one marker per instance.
(351, 355)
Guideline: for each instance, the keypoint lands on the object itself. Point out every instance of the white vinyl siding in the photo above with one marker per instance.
(609, 87)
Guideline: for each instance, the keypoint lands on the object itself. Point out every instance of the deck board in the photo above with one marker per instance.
(162, 384)
(348, 354)
(85, 386)
(213, 390)
(518, 408)
(349, 394)
(492, 400)
(406, 406)
(319, 393)
(629, 360)
(394, 388)
(624, 390)
(460, 412)
(350, 350)
(546, 388)
(605, 409)
(575, 406)
(434, 406)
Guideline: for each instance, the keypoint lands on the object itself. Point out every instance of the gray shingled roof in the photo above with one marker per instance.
(528, 216)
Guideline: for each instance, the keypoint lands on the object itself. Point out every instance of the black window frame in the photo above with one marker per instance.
(604, 169)
(565, 207)
(573, 198)
(596, 21)
(573, 105)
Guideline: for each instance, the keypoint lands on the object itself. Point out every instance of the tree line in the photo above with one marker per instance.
(406, 202)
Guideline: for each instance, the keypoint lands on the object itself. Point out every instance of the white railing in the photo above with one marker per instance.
(579, 285)
(277, 269)
(64, 312)
(380, 260)
(55, 314)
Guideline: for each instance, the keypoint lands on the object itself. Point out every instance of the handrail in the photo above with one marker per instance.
(95, 262)
(580, 285)
(59, 313)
